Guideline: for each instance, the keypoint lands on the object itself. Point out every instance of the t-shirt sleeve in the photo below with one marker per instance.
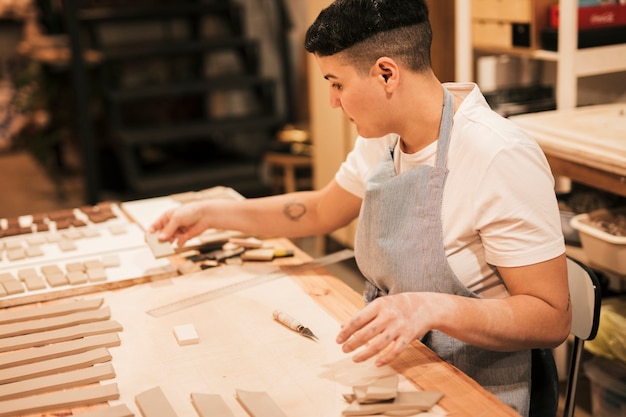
(360, 162)
(518, 219)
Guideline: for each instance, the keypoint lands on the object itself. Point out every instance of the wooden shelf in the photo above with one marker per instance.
(572, 63)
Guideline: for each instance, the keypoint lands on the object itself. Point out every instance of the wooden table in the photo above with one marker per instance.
(585, 144)
(418, 364)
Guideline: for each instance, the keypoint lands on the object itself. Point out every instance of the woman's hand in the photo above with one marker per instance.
(181, 223)
(388, 324)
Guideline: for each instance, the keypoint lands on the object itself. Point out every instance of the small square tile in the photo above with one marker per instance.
(186, 334)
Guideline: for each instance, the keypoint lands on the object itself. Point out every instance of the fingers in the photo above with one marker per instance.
(182, 235)
(348, 331)
(158, 223)
(385, 327)
(387, 345)
(393, 351)
(165, 225)
(170, 229)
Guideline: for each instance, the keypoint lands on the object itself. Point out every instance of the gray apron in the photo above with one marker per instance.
(399, 248)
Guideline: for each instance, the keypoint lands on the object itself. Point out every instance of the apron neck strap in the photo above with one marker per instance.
(445, 128)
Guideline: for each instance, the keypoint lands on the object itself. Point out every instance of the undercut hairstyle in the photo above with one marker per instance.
(362, 31)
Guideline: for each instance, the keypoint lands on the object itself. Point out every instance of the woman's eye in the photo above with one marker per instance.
(336, 86)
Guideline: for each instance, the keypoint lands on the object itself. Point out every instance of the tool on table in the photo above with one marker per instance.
(332, 258)
(293, 324)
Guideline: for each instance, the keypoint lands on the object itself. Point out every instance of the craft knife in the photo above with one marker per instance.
(293, 324)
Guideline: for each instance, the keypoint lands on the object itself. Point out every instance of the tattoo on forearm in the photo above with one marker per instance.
(294, 210)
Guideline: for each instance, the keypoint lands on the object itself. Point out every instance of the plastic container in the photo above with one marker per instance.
(602, 248)
(608, 387)
(610, 342)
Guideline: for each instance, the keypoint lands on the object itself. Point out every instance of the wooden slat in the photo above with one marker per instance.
(51, 323)
(210, 405)
(12, 316)
(259, 404)
(56, 382)
(51, 366)
(57, 400)
(154, 403)
(59, 335)
(121, 410)
(57, 350)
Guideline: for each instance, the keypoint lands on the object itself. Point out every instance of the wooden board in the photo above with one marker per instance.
(59, 335)
(154, 403)
(115, 411)
(210, 405)
(51, 323)
(57, 350)
(56, 365)
(56, 381)
(240, 346)
(48, 402)
(259, 404)
(593, 135)
(50, 310)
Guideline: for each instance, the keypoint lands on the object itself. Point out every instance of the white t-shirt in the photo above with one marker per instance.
(499, 205)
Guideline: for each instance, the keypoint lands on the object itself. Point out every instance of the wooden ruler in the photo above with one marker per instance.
(326, 260)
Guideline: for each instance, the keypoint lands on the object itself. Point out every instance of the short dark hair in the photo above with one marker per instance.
(365, 30)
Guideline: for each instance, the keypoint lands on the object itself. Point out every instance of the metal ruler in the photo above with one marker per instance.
(326, 260)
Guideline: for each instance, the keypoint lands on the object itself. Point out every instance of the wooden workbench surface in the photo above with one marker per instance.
(586, 144)
(242, 347)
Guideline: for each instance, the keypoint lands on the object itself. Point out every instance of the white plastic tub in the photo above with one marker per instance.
(602, 248)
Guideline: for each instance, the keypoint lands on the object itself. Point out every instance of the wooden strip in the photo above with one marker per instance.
(56, 382)
(58, 335)
(154, 403)
(210, 405)
(24, 356)
(121, 410)
(58, 400)
(57, 322)
(57, 350)
(259, 404)
(51, 366)
(49, 310)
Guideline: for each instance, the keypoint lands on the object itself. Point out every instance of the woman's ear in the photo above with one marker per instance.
(385, 70)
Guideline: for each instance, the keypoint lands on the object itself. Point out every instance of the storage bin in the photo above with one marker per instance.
(608, 387)
(610, 342)
(603, 249)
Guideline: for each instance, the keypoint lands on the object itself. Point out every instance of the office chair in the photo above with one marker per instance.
(585, 295)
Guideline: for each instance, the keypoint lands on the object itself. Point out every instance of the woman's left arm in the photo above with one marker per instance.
(537, 314)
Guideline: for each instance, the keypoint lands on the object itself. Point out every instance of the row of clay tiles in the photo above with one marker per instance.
(62, 219)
